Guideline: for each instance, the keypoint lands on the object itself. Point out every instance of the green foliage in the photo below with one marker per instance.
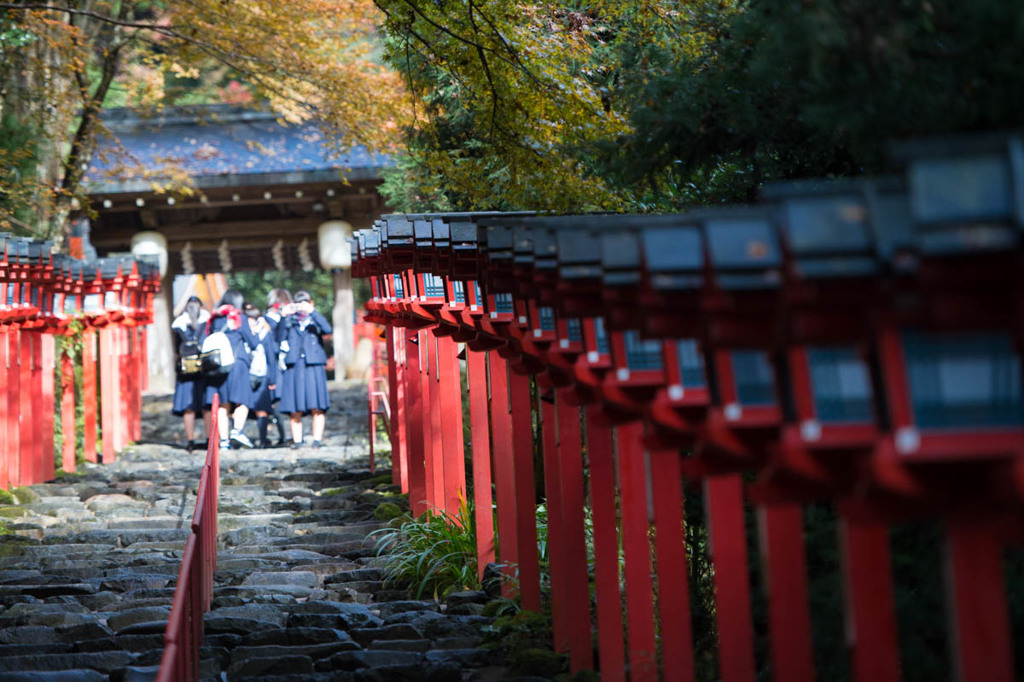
(19, 142)
(255, 286)
(433, 555)
(6, 497)
(70, 345)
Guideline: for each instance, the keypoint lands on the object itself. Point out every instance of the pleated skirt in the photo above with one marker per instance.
(304, 388)
(188, 395)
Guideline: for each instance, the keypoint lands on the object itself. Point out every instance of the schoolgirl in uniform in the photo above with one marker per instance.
(263, 389)
(276, 300)
(304, 383)
(190, 327)
(233, 388)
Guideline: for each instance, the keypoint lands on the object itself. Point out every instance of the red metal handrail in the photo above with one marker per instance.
(378, 403)
(194, 589)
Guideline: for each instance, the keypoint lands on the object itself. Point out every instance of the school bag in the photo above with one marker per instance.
(258, 366)
(217, 356)
(190, 358)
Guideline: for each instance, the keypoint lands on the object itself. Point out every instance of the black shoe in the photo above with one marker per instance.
(316, 445)
(296, 446)
(263, 444)
(189, 446)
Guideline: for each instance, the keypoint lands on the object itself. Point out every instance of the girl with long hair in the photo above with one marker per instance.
(189, 330)
(233, 388)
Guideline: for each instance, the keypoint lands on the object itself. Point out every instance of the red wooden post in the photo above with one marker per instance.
(117, 362)
(611, 651)
(143, 355)
(476, 371)
(140, 372)
(504, 471)
(14, 406)
(371, 408)
(46, 413)
(520, 395)
(89, 392)
(397, 423)
(556, 540)
(67, 412)
(574, 541)
(29, 456)
(7, 474)
(451, 423)
(107, 395)
(670, 553)
(871, 619)
(432, 422)
(789, 619)
(724, 499)
(414, 395)
(982, 646)
(632, 465)
(38, 440)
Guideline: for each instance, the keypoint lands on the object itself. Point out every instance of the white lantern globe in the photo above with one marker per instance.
(151, 243)
(332, 241)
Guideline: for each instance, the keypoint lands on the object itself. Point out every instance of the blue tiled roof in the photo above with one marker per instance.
(217, 142)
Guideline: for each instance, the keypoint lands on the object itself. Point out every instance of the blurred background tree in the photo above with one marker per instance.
(648, 105)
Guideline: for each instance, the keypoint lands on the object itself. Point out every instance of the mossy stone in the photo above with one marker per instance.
(12, 512)
(386, 511)
(539, 663)
(331, 492)
(6, 497)
(25, 495)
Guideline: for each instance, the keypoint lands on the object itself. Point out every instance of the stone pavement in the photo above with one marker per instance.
(89, 562)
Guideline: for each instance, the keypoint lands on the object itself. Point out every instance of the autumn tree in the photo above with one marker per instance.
(63, 61)
(658, 104)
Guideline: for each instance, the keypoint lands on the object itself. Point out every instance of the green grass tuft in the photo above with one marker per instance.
(433, 555)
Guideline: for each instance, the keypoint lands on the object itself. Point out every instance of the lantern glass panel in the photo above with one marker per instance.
(964, 379)
(754, 377)
(966, 188)
(547, 318)
(503, 303)
(460, 292)
(92, 303)
(841, 384)
(433, 285)
(399, 289)
(601, 335)
(642, 354)
(691, 364)
(575, 329)
(479, 294)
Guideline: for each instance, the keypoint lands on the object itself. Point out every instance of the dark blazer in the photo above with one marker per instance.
(270, 349)
(304, 343)
(238, 337)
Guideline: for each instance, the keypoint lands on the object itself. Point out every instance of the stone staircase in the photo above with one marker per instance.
(89, 562)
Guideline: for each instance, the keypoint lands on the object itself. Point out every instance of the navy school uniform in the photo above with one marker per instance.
(304, 381)
(273, 318)
(262, 397)
(188, 390)
(233, 388)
